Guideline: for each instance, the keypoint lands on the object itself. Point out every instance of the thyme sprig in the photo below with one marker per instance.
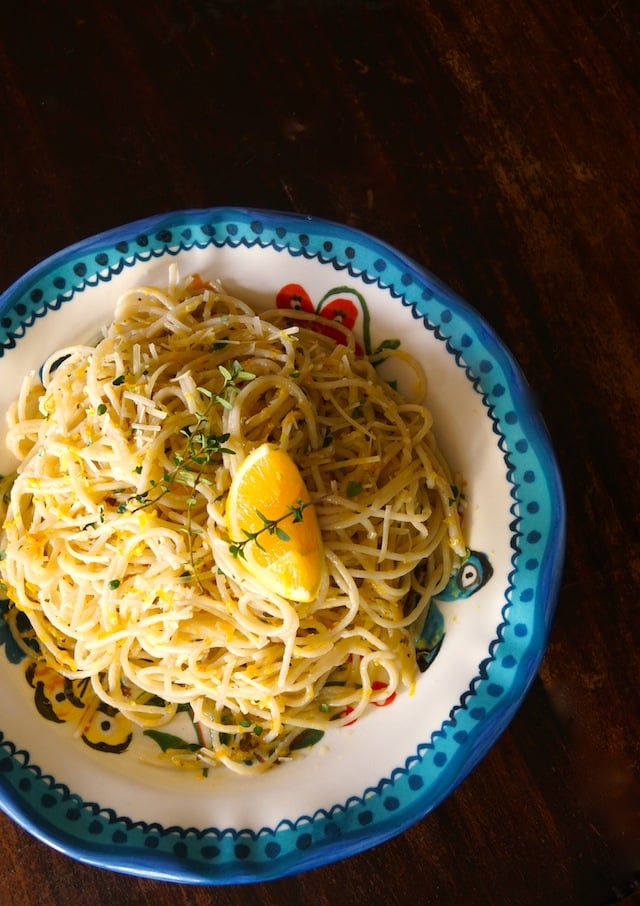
(201, 447)
(269, 526)
(231, 379)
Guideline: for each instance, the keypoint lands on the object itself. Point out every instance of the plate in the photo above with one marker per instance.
(365, 783)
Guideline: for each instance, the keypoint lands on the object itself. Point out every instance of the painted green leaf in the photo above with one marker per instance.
(306, 739)
(168, 741)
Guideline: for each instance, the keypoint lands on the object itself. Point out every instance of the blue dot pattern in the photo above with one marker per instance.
(228, 855)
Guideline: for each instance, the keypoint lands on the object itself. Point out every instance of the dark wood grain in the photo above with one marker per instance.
(497, 144)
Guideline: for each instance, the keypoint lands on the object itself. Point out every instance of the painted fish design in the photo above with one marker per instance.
(474, 573)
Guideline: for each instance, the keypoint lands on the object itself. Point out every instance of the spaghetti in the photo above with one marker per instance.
(115, 544)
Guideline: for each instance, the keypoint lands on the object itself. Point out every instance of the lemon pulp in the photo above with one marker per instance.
(288, 558)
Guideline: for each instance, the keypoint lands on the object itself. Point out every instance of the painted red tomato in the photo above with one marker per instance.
(342, 310)
(295, 297)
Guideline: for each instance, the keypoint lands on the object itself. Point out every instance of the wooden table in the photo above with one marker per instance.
(499, 145)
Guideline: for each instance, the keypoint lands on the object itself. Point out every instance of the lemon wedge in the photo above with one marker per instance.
(268, 496)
